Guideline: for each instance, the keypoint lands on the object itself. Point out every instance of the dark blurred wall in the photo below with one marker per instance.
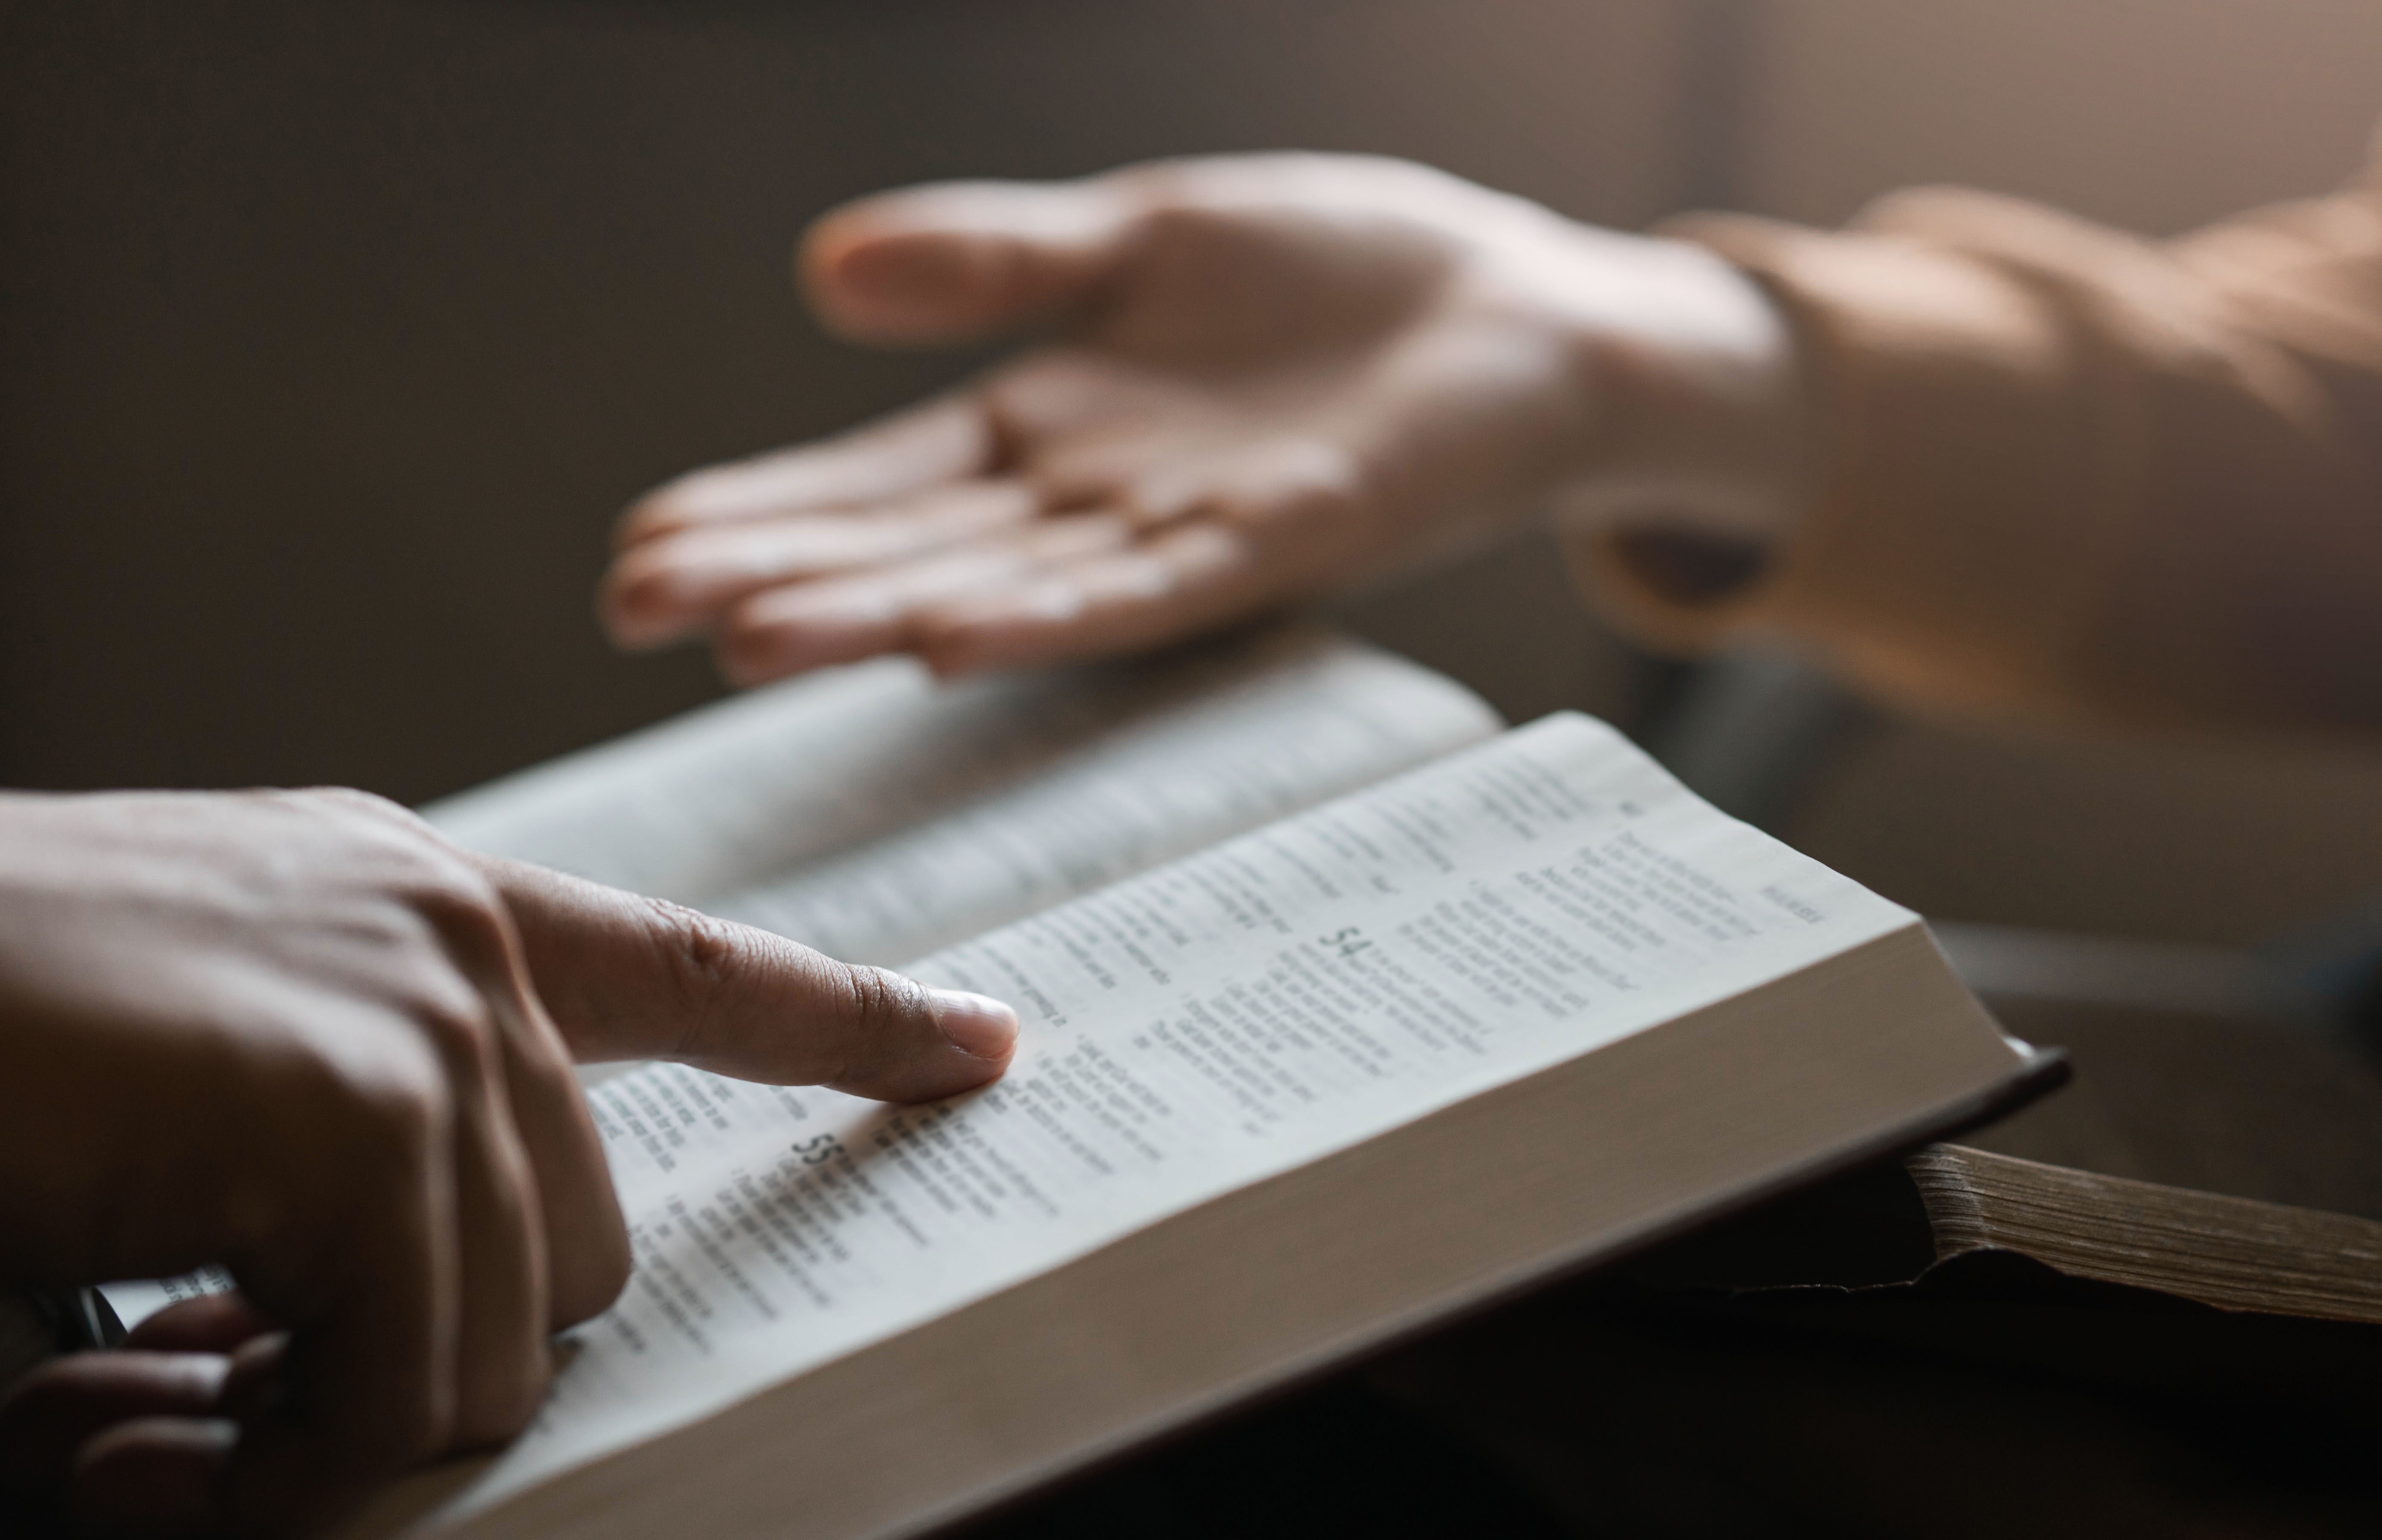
(2152, 114)
(334, 335)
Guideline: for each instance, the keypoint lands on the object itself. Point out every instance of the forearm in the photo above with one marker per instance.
(2059, 474)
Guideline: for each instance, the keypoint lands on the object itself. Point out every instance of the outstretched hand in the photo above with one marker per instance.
(1276, 374)
(303, 1035)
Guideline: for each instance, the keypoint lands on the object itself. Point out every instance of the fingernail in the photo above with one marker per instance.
(975, 1024)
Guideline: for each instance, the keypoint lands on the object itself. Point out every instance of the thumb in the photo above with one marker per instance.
(956, 261)
(625, 976)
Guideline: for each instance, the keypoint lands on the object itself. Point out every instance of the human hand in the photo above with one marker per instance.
(1277, 373)
(300, 1034)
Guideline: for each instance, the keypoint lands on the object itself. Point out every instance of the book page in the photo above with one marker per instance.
(878, 816)
(1187, 1032)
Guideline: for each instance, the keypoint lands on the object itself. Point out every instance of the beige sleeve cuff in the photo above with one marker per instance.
(1950, 550)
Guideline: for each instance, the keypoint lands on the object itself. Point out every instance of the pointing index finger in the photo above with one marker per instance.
(631, 977)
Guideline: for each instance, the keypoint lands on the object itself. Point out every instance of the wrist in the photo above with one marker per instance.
(1693, 407)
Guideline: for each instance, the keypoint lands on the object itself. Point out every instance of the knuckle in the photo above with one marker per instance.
(594, 1273)
(700, 955)
(348, 796)
(453, 895)
(405, 1109)
(877, 1006)
(458, 904)
(460, 1029)
(878, 998)
(366, 844)
(362, 1123)
(499, 1411)
(704, 947)
(350, 802)
(334, 1149)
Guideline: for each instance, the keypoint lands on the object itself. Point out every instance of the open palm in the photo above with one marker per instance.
(1278, 373)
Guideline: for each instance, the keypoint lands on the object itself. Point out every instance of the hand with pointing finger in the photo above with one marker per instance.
(300, 1034)
(1275, 374)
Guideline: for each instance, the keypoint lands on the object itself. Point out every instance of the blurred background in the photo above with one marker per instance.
(334, 336)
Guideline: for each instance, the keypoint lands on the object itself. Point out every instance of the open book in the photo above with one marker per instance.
(1343, 1012)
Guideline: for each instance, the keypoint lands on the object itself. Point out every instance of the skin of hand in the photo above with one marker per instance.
(300, 1034)
(1270, 375)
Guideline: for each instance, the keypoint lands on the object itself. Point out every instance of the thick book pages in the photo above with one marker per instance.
(2197, 1303)
(1277, 1102)
(1949, 1214)
(2231, 1253)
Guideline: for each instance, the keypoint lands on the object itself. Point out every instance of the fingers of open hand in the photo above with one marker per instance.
(692, 547)
(892, 456)
(631, 977)
(1237, 246)
(1184, 542)
(791, 626)
(1110, 507)
(1058, 431)
(962, 260)
(675, 583)
(1171, 584)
